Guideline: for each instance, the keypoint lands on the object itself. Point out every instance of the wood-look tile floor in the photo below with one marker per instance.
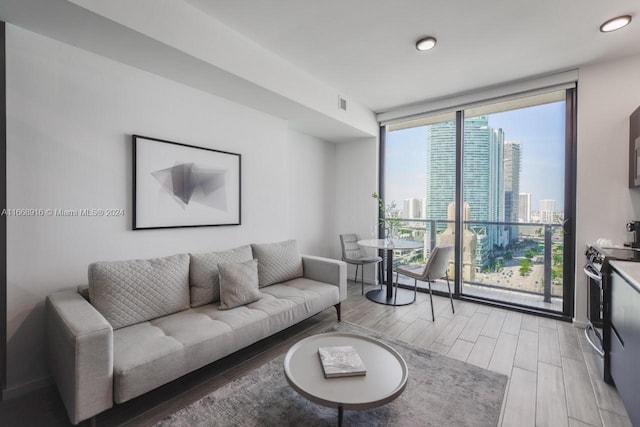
(554, 379)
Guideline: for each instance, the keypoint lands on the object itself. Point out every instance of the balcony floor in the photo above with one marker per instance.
(499, 294)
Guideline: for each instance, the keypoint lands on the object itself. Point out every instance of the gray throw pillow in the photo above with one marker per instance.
(277, 262)
(238, 284)
(130, 292)
(204, 282)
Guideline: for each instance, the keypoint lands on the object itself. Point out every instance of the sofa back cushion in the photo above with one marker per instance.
(130, 292)
(204, 276)
(277, 262)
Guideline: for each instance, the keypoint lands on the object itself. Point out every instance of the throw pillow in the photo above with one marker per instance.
(238, 284)
(204, 282)
(277, 262)
(134, 291)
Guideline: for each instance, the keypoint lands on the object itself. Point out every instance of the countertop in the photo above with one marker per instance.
(630, 271)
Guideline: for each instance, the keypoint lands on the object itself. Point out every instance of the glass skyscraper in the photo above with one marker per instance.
(441, 170)
(483, 182)
(512, 186)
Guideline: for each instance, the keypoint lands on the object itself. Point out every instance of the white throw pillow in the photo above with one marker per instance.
(238, 284)
(203, 273)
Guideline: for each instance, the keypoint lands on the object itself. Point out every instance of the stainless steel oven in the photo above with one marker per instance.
(593, 330)
(598, 271)
(593, 270)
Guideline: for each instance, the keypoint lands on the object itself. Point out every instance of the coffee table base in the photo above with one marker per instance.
(380, 296)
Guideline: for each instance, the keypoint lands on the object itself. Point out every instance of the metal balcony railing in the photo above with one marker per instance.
(432, 229)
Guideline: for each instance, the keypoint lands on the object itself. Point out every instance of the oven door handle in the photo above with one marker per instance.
(591, 271)
(587, 335)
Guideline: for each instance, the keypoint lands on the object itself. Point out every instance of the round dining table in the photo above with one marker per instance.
(385, 296)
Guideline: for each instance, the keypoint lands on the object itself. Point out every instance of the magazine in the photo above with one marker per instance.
(341, 361)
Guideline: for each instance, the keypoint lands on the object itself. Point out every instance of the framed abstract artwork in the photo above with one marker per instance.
(179, 185)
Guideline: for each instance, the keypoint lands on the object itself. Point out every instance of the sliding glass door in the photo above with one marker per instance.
(512, 179)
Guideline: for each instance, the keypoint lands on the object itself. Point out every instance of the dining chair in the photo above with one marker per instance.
(437, 267)
(353, 253)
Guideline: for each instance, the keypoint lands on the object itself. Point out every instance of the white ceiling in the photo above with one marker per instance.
(365, 48)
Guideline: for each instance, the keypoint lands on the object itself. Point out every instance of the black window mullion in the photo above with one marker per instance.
(459, 202)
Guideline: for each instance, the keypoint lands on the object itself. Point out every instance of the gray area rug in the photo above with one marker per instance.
(440, 392)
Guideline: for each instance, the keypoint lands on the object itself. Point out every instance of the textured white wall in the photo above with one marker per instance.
(607, 94)
(356, 178)
(70, 116)
(311, 188)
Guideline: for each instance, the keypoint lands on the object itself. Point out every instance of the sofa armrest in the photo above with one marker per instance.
(80, 354)
(326, 270)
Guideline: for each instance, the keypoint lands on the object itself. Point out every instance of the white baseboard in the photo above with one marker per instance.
(22, 389)
(579, 324)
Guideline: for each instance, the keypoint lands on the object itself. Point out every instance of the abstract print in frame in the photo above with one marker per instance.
(179, 185)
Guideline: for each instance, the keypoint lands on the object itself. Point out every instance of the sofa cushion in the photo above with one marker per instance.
(238, 284)
(150, 354)
(204, 279)
(277, 262)
(134, 291)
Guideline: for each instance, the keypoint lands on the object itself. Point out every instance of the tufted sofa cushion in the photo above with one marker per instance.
(134, 291)
(150, 354)
(277, 262)
(204, 276)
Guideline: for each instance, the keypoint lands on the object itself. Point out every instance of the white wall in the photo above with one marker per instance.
(356, 178)
(311, 187)
(607, 94)
(70, 116)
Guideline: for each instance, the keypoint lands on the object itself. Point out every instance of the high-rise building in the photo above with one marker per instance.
(482, 182)
(512, 186)
(441, 170)
(524, 209)
(547, 210)
(413, 208)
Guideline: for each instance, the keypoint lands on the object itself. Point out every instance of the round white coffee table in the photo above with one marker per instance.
(385, 380)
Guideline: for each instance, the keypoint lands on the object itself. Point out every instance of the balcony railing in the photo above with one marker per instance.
(495, 247)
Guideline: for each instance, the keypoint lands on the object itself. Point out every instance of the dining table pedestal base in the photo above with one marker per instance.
(380, 296)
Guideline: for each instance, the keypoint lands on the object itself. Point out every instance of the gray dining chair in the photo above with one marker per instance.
(437, 267)
(353, 253)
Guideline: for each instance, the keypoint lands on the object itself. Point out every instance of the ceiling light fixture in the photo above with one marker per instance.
(426, 43)
(615, 23)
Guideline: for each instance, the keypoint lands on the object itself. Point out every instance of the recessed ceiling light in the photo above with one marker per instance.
(426, 43)
(615, 23)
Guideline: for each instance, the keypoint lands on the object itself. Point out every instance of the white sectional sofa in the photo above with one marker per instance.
(144, 323)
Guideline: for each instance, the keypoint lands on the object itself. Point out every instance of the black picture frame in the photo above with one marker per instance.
(177, 185)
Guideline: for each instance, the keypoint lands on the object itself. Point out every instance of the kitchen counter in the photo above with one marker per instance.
(630, 271)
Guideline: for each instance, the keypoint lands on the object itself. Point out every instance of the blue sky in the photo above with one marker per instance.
(539, 129)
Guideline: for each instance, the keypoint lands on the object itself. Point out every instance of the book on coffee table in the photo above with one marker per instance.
(341, 361)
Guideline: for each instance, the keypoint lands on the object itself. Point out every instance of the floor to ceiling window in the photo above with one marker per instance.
(512, 180)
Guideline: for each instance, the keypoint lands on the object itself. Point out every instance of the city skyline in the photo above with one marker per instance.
(525, 209)
(539, 130)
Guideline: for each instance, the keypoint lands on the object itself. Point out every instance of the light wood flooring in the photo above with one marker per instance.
(553, 376)
(554, 379)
